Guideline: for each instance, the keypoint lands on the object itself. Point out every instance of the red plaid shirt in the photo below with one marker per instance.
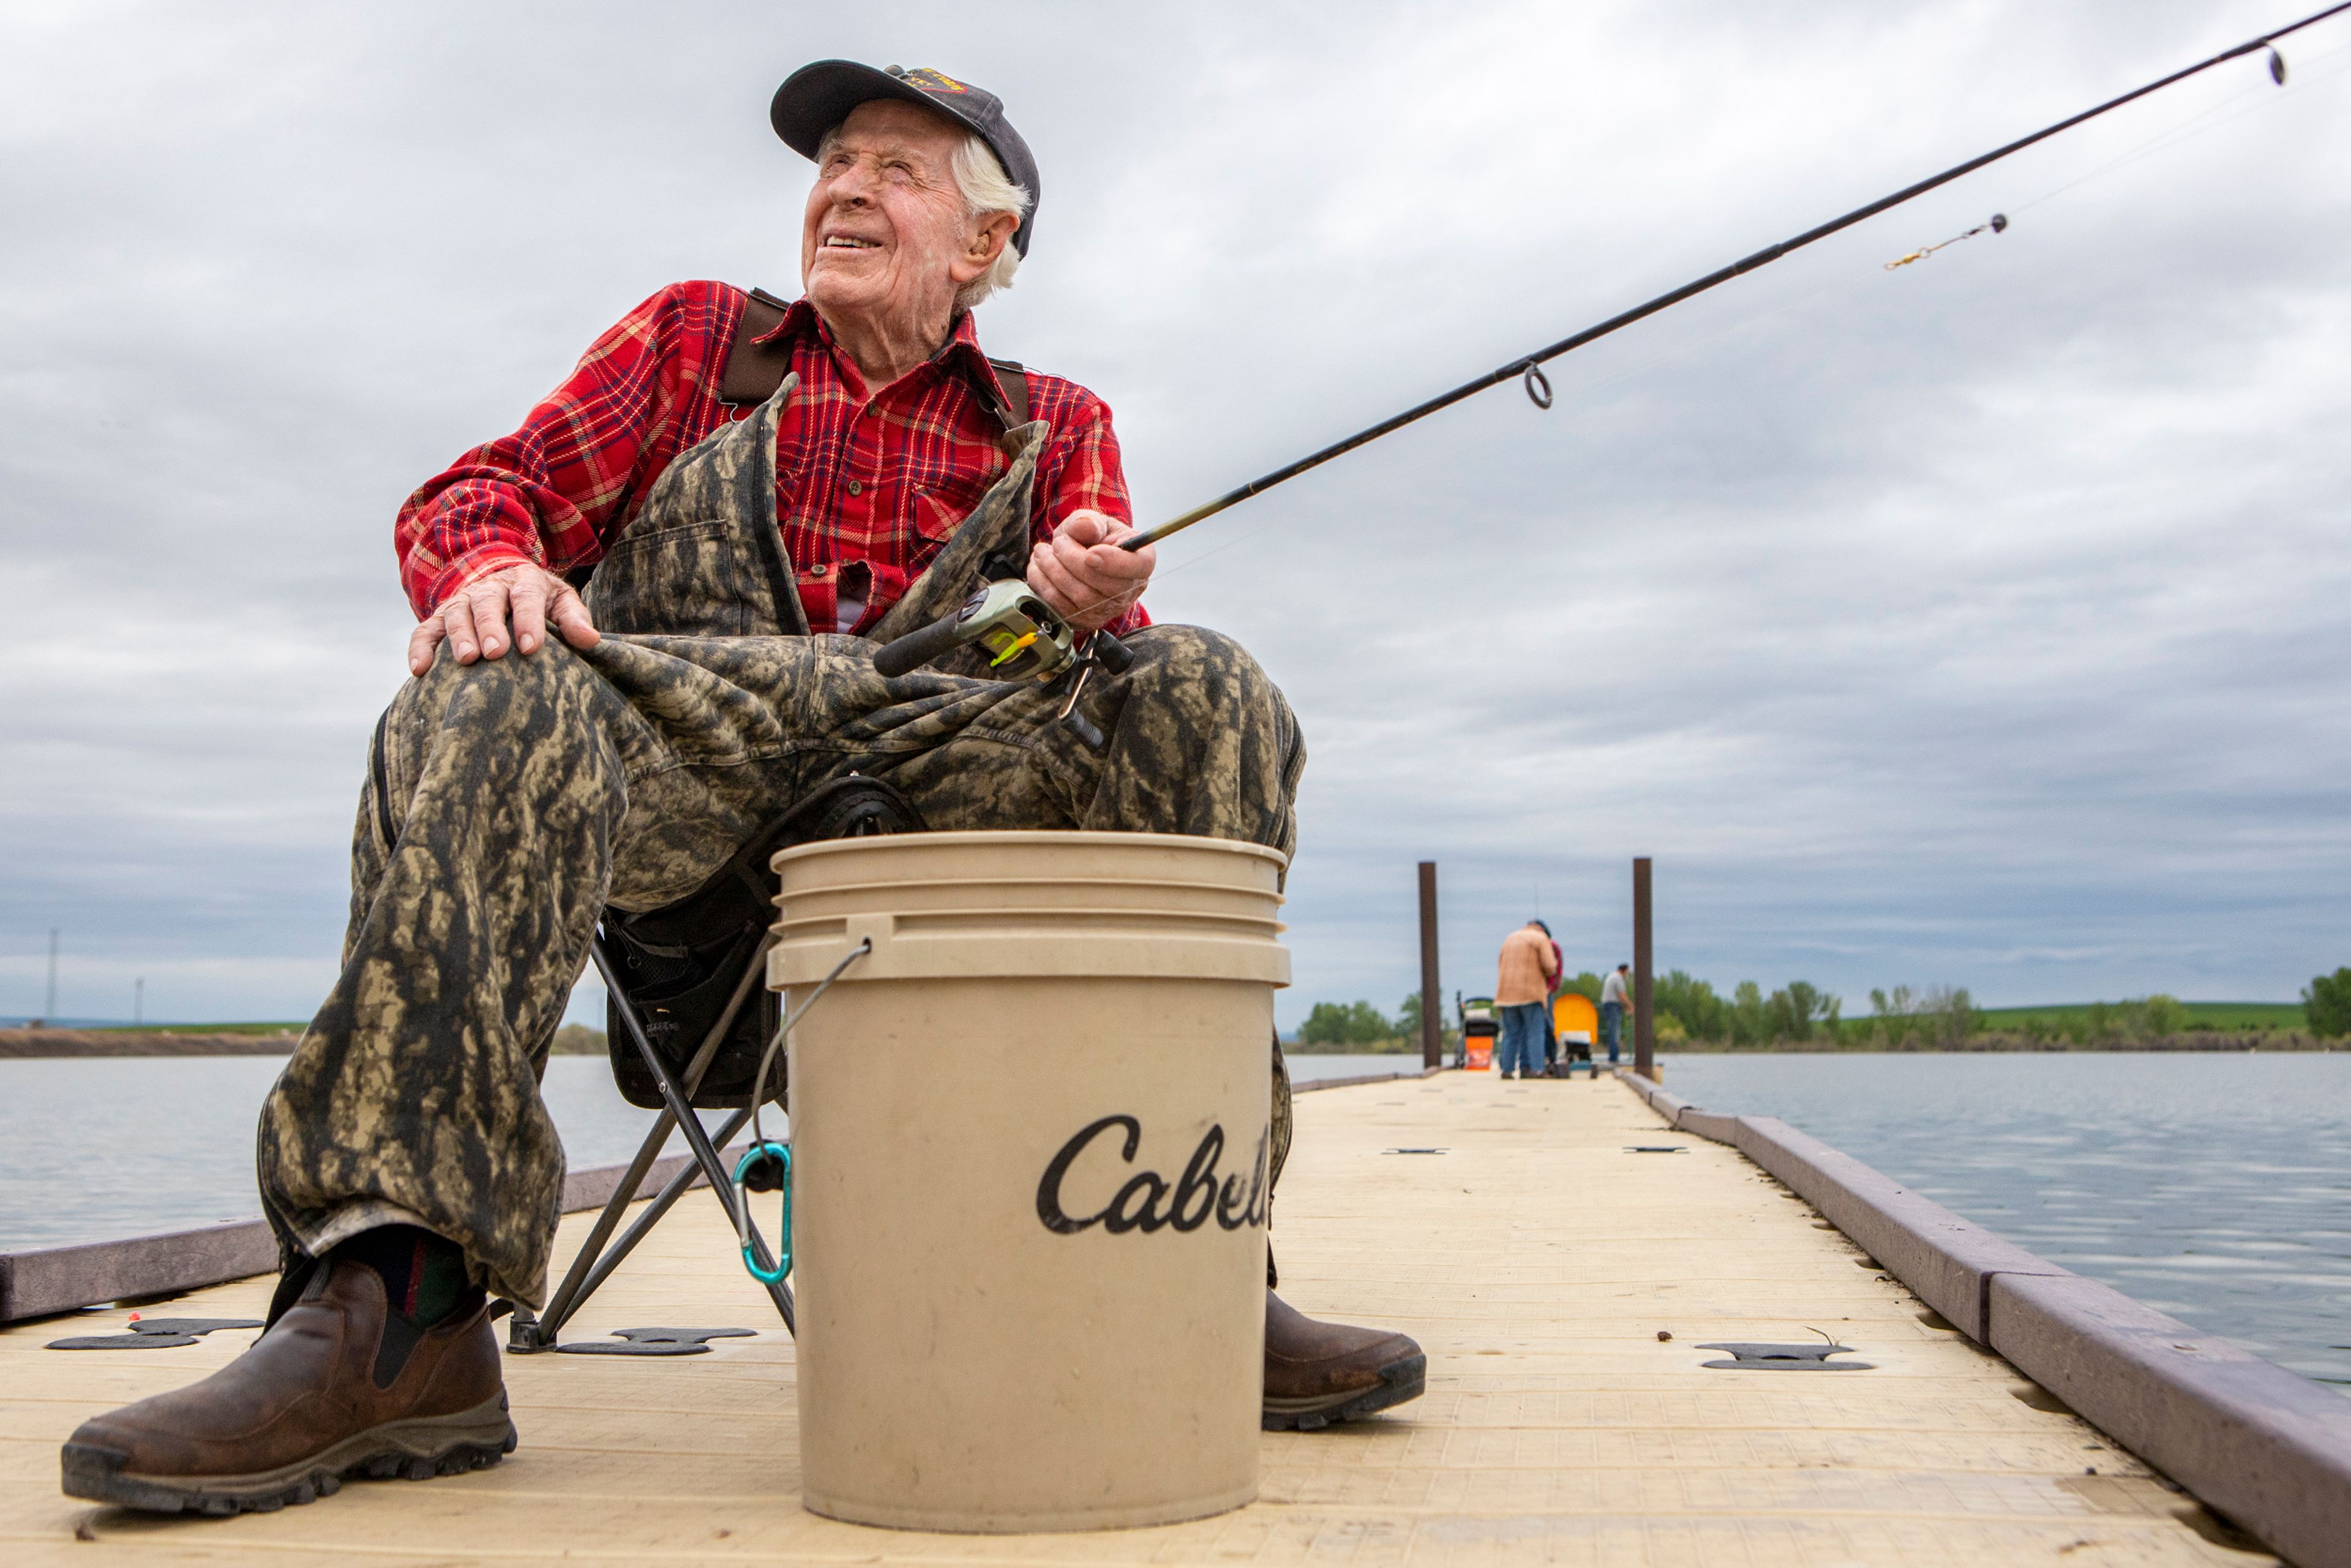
(869, 485)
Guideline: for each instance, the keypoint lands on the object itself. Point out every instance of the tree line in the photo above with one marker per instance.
(1360, 1026)
(2327, 1003)
(1903, 1018)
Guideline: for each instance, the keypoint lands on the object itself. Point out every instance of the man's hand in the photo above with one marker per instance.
(474, 620)
(1082, 573)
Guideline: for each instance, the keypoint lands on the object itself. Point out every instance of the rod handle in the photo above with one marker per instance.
(1113, 655)
(919, 647)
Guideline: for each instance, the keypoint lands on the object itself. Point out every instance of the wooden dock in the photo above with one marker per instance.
(1540, 1262)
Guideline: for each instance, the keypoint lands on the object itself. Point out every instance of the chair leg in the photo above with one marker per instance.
(527, 1334)
(721, 1182)
(595, 1261)
(661, 1204)
(593, 1265)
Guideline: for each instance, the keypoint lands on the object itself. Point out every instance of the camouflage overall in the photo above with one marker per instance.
(509, 801)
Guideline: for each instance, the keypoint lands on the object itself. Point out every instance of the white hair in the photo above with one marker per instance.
(986, 189)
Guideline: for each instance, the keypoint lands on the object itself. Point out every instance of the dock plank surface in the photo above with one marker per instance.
(1537, 1260)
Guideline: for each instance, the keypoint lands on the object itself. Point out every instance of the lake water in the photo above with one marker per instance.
(96, 1148)
(2214, 1187)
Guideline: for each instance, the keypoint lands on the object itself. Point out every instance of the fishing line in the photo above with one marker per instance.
(2187, 130)
(983, 616)
(1529, 367)
(2162, 141)
(2267, 94)
(1837, 283)
(2181, 132)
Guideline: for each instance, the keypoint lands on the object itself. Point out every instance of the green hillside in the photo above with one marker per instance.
(2200, 1015)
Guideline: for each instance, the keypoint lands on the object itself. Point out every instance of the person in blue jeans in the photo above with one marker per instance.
(1522, 991)
(1519, 1051)
(1613, 1002)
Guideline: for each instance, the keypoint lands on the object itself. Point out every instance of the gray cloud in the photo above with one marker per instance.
(1981, 622)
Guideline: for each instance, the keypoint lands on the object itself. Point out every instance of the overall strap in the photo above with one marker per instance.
(1014, 411)
(754, 370)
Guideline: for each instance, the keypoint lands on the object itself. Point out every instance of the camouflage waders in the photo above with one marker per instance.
(509, 801)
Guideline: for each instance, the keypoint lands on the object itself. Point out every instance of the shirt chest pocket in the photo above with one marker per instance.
(937, 504)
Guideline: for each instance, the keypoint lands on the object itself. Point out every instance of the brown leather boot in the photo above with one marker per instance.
(1318, 1372)
(286, 1421)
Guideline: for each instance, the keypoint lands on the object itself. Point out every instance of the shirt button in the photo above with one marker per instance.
(818, 571)
(855, 488)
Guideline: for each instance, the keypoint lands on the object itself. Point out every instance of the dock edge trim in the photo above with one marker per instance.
(2268, 1450)
(47, 1280)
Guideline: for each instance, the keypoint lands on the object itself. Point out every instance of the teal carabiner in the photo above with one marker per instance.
(757, 1154)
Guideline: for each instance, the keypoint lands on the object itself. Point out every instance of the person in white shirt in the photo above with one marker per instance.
(1614, 1001)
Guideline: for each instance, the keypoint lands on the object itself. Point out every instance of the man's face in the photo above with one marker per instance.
(885, 238)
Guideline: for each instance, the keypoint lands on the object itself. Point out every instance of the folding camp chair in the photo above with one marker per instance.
(688, 1019)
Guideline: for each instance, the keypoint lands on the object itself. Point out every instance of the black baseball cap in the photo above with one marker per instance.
(816, 97)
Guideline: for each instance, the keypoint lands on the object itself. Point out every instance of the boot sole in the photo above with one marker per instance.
(1399, 1381)
(414, 1450)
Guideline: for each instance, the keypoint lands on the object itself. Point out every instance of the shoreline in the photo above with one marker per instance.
(77, 1044)
(69, 1045)
(2237, 1042)
(25, 1044)
(2227, 1042)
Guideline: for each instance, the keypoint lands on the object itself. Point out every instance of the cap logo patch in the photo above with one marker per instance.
(930, 81)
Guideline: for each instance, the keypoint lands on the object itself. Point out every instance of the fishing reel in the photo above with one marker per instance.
(1027, 640)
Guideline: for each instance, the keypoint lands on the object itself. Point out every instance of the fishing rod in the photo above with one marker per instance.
(1030, 640)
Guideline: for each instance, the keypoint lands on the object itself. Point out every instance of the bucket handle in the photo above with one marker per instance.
(751, 1172)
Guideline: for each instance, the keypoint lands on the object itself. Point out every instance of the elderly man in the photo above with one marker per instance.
(764, 492)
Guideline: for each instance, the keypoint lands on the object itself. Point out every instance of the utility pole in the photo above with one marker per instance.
(49, 1003)
(1432, 1037)
(1644, 1033)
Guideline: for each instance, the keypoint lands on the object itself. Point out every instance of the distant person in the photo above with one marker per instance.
(1614, 1001)
(1522, 991)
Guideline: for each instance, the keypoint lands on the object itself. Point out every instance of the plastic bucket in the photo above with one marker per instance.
(1029, 1137)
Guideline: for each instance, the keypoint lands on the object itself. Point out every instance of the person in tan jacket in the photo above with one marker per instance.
(1523, 990)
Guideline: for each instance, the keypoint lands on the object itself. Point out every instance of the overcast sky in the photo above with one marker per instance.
(1983, 623)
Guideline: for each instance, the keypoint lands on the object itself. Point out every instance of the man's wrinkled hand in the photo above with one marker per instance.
(510, 608)
(1085, 576)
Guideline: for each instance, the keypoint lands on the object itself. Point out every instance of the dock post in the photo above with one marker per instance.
(1432, 1036)
(1645, 1034)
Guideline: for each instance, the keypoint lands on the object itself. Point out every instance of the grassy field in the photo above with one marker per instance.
(296, 1026)
(2200, 1015)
